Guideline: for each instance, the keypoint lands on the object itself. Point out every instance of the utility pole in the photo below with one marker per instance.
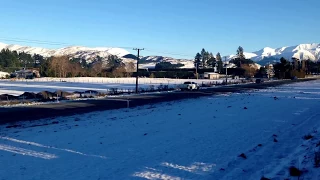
(197, 70)
(137, 75)
(225, 62)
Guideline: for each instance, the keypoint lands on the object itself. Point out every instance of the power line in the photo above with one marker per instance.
(170, 53)
(11, 40)
(56, 43)
(49, 42)
(33, 41)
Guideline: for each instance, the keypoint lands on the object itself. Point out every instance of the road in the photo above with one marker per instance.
(35, 112)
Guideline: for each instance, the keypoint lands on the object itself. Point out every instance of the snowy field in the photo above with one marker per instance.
(190, 139)
(18, 87)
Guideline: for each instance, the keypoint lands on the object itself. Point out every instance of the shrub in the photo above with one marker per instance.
(152, 88)
(317, 159)
(294, 171)
(307, 137)
(160, 87)
(264, 178)
(114, 91)
(243, 156)
(142, 90)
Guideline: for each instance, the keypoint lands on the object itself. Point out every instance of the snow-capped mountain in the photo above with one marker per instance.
(90, 53)
(263, 56)
(302, 51)
(74, 51)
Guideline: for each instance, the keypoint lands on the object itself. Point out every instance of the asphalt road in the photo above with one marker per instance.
(35, 112)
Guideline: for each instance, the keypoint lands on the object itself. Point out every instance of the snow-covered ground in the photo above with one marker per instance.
(18, 87)
(190, 139)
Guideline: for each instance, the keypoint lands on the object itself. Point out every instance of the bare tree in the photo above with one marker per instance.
(249, 70)
(96, 69)
(131, 67)
(119, 72)
(60, 66)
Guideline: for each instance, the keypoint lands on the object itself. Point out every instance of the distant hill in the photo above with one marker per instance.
(262, 57)
(301, 51)
(130, 56)
(75, 51)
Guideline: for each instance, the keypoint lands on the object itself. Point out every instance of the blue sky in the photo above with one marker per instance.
(163, 27)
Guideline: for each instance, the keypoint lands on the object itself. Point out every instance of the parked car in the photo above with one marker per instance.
(189, 86)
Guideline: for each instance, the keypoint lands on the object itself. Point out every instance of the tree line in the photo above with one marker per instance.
(113, 66)
(206, 60)
(295, 68)
(246, 68)
(64, 66)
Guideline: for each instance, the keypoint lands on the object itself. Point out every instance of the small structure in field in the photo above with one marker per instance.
(4, 75)
(211, 75)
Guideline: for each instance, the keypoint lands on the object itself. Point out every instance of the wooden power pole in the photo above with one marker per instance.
(225, 61)
(137, 75)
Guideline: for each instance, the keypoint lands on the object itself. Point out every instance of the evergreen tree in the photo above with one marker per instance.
(114, 62)
(240, 54)
(197, 60)
(210, 55)
(38, 60)
(206, 59)
(219, 62)
(283, 68)
(261, 73)
(26, 59)
(211, 62)
(45, 70)
(218, 57)
(9, 60)
(204, 55)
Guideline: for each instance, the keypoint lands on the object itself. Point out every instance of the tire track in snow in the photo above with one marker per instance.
(27, 152)
(50, 147)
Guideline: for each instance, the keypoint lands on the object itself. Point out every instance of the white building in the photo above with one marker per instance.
(4, 74)
(26, 73)
(211, 75)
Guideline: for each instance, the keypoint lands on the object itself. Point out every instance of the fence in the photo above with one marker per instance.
(121, 80)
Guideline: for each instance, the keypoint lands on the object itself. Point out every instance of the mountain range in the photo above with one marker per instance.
(263, 56)
(301, 51)
(74, 51)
